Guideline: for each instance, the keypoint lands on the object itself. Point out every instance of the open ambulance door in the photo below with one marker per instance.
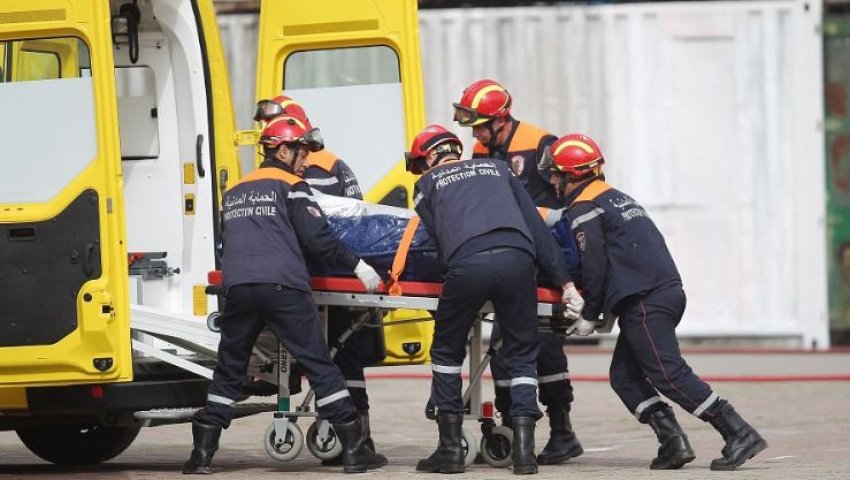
(355, 67)
(63, 266)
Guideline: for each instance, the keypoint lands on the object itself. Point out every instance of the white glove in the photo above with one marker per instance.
(581, 327)
(572, 299)
(367, 275)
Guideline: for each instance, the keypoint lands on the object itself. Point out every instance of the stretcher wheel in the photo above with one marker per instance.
(330, 449)
(289, 448)
(469, 445)
(497, 450)
(213, 322)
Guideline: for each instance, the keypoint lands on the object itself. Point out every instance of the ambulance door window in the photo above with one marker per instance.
(354, 95)
(47, 129)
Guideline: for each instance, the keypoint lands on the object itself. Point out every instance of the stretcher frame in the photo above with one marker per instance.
(283, 440)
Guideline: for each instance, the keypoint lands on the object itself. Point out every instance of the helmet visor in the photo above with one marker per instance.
(468, 117)
(314, 140)
(411, 165)
(267, 110)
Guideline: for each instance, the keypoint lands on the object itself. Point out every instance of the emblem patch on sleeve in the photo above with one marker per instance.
(517, 164)
(314, 211)
(581, 241)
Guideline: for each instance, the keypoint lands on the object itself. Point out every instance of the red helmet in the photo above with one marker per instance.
(481, 102)
(291, 129)
(434, 137)
(574, 154)
(279, 105)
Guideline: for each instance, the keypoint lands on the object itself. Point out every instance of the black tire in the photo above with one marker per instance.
(77, 444)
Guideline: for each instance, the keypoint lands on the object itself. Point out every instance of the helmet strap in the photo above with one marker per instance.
(494, 143)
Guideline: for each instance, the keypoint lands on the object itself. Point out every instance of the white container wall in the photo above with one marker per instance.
(709, 114)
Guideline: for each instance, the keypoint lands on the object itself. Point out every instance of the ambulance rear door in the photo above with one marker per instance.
(63, 263)
(355, 67)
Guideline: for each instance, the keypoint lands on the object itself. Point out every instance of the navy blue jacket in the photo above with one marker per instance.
(331, 176)
(622, 251)
(522, 151)
(269, 220)
(473, 205)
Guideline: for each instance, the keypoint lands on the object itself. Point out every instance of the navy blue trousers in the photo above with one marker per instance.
(553, 373)
(506, 277)
(351, 357)
(293, 318)
(647, 360)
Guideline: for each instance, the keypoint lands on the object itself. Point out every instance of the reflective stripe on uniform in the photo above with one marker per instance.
(332, 398)
(587, 217)
(219, 399)
(446, 369)
(417, 199)
(704, 405)
(645, 404)
(515, 382)
(555, 377)
(306, 195)
(321, 181)
(503, 383)
(356, 384)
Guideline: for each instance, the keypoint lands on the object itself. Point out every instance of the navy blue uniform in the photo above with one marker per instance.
(523, 149)
(489, 236)
(628, 270)
(331, 176)
(268, 218)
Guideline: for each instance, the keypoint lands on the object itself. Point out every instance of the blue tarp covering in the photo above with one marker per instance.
(374, 233)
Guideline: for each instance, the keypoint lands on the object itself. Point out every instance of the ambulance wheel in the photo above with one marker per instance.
(497, 450)
(469, 445)
(327, 450)
(213, 322)
(289, 448)
(79, 444)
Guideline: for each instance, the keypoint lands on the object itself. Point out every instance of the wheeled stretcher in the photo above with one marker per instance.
(283, 439)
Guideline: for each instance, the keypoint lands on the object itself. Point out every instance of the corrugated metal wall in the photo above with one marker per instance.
(706, 111)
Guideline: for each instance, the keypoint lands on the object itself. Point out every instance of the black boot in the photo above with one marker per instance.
(356, 456)
(522, 450)
(379, 460)
(675, 450)
(743, 442)
(448, 458)
(563, 444)
(205, 443)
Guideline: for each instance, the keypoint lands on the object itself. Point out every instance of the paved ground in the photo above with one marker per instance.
(807, 424)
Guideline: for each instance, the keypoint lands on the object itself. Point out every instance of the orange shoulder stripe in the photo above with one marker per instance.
(590, 192)
(270, 173)
(526, 137)
(324, 159)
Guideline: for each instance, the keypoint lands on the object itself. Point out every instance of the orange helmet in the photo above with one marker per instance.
(482, 102)
(575, 154)
(288, 129)
(433, 138)
(279, 105)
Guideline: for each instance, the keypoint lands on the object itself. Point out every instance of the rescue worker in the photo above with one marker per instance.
(628, 271)
(269, 217)
(324, 172)
(489, 236)
(485, 106)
